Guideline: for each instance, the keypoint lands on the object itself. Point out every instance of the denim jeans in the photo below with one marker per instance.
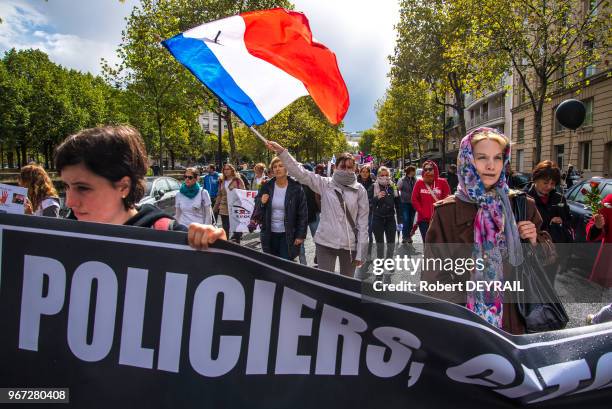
(279, 246)
(408, 213)
(423, 227)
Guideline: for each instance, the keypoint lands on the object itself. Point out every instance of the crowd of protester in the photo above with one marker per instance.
(346, 211)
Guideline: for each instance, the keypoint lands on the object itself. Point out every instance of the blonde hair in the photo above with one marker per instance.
(384, 169)
(273, 162)
(260, 166)
(494, 136)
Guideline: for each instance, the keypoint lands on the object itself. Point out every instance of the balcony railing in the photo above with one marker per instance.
(491, 115)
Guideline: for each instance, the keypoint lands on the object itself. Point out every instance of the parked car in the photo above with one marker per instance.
(581, 214)
(520, 180)
(161, 191)
(419, 173)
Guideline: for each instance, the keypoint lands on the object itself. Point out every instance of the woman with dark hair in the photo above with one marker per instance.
(365, 180)
(343, 228)
(228, 181)
(385, 205)
(42, 196)
(103, 170)
(555, 213)
(192, 202)
(285, 214)
(480, 218)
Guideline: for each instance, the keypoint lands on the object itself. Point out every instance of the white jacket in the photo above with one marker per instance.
(196, 210)
(334, 229)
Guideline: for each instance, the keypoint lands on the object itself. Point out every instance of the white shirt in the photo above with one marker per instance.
(278, 209)
(47, 202)
(196, 210)
(226, 183)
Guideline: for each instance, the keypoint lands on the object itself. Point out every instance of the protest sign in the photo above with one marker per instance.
(12, 199)
(240, 204)
(133, 317)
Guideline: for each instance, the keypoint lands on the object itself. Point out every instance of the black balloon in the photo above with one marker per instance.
(570, 113)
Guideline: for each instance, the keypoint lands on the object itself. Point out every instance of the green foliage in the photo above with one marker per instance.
(548, 42)
(407, 119)
(435, 44)
(43, 103)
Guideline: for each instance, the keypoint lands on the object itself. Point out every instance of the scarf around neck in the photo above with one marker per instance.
(191, 191)
(495, 231)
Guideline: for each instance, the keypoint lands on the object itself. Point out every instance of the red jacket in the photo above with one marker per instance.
(602, 269)
(422, 199)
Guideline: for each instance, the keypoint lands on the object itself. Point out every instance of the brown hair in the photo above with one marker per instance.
(319, 168)
(366, 167)
(343, 158)
(193, 170)
(222, 177)
(38, 183)
(111, 152)
(547, 170)
(409, 169)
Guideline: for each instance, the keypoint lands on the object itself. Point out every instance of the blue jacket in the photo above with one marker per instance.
(211, 184)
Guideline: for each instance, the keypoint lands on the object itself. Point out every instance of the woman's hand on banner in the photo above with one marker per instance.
(298, 242)
(275, 147)
(264, 198)
(201, 235)
(357, 263)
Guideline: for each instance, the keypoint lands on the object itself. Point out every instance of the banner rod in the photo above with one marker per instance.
(260, 136)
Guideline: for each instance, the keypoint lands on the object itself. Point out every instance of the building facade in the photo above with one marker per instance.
(589, 148)
(209, 121)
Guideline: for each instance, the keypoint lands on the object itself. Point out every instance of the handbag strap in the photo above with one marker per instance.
(519, 207)
(346, 212)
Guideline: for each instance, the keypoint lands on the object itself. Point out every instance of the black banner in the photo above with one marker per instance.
(132, 317)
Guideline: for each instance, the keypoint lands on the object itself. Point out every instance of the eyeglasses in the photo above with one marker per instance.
(427, 169)
(189, 177)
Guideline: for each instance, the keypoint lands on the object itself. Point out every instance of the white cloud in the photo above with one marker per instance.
(25, 27)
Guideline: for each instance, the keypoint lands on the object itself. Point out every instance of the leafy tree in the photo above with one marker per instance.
(548, 42)
(434, 44)
(367, 139)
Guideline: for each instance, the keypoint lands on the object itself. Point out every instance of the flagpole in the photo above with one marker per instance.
(260, 136)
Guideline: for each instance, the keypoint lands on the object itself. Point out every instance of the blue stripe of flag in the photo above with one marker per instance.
(202, 62)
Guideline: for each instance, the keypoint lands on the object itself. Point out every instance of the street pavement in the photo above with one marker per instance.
(572, 286)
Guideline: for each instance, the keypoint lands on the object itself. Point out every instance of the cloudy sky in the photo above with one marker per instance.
(77, 34)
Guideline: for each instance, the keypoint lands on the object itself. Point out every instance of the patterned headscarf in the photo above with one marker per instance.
(495, 231)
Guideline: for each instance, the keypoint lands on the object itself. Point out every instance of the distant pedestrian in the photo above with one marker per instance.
(193, 204)
(227, 182)
(284, 214)
(313, 202)
(43, 199)
(452, 179)
(554, 210)
(260, 178)
(426, 192)
(366, 180)
(210, 182)
(386, 215)
(343, 229)
(405, 187)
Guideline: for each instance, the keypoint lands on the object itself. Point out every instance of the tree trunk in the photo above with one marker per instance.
(171, 153)
(161, 144)
(24, 155)
(537, 133)
(230, 135)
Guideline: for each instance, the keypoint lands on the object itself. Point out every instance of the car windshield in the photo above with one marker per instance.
(148, 188)
(419, 172)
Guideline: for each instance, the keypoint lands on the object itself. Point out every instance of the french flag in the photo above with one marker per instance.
(261, 61)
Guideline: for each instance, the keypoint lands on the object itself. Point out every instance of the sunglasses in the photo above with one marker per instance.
(189, 177)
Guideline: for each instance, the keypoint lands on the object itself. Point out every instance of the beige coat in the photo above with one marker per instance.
(221, 201)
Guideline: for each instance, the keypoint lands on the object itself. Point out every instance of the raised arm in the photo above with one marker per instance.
(316, 182)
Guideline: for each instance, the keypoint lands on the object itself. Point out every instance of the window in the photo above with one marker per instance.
(577, 195)
(559, 151)
(585, 155)
(520, 159)
(557, 125)
(590, 69)
(521, 130)
(588, 117)
(174, 185)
